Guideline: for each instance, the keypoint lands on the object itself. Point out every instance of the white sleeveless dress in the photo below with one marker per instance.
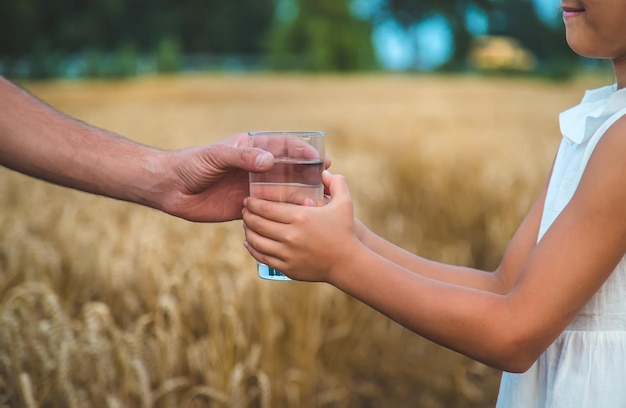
(585, 367)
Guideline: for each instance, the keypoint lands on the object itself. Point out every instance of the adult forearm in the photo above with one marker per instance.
(41, 142)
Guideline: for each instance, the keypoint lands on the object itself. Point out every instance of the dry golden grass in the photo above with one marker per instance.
(108, 304)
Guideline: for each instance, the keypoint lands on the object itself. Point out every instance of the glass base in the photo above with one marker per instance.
(266, 272)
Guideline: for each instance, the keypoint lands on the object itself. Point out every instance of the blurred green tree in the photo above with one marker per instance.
(410, 12)
(168, 55)
(73, 25)
(317, 35)
(519, 19)
(320, 35)
(515, 18)
(37, 29)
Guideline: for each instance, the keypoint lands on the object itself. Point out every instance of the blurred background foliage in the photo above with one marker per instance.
(116, 38)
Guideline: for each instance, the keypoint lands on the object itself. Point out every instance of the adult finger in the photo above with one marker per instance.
(327, 162)
(246, 158)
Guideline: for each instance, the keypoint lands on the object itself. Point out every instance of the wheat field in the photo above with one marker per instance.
(109, 304)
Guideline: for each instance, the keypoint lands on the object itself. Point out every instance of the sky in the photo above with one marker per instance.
(395, 46)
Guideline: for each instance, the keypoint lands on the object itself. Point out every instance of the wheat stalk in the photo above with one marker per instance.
(26, 389)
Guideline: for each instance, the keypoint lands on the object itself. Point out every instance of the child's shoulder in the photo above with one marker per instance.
(618, 128)
(611, 147)
(610, 117)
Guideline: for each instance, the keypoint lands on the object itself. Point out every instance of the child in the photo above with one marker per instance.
(553, 314)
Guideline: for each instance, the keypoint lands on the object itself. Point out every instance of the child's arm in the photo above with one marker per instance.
(508, 331)
(500, 281)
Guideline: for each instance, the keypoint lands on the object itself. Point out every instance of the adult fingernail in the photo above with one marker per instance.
(263, 159)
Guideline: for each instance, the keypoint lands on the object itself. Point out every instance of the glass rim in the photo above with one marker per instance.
(317, 133)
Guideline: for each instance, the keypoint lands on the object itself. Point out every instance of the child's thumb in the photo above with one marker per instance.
(337, 185)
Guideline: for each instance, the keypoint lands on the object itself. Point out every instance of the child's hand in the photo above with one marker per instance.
(306, 242)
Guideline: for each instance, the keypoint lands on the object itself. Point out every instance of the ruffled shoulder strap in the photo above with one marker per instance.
(600, 132)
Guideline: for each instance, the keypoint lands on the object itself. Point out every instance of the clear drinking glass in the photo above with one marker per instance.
(296, 175)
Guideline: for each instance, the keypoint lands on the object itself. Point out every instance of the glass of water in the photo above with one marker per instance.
(296, 175)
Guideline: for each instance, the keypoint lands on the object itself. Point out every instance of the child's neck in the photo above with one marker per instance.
(619, 70)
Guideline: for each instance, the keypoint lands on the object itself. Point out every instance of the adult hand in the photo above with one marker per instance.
(209, 183)
(205, 183)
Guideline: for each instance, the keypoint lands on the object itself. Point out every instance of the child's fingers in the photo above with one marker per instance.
(310, 202)
(326, 179)
(264, 258)
(271, 210)
(261, 226)
(337, 185)
(262, 246)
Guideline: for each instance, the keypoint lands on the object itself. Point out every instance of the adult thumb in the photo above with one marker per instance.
(246, 158)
